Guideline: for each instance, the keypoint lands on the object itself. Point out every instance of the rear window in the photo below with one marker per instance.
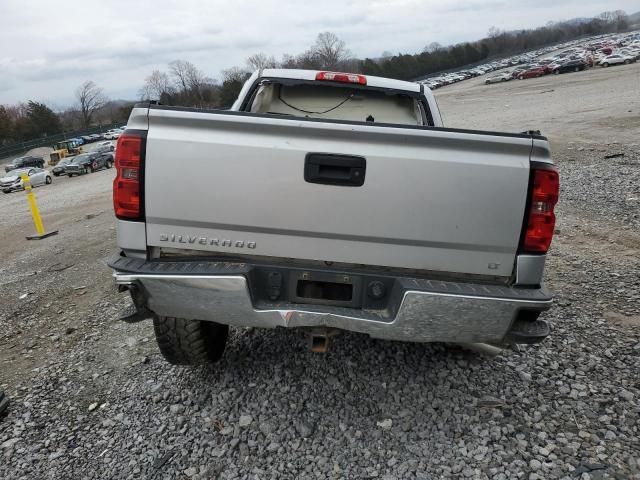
(311, 100)
(80, 158)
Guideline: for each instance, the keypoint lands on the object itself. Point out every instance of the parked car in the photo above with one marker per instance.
(24, 162)
(112, 134)
(95, 137)
(78, 140)
(87, 138)
(532, 72)
(518, 70)
(630, 52)
(88, 163)
(12, 180)
(287, 250)
(545, 67)
(59, 168)
(502, 77)
(570, 66)
(616, 59)
(105, 147)
(545, 61)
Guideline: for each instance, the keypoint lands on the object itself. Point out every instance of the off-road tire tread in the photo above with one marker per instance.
(190, 342)
(4, 402)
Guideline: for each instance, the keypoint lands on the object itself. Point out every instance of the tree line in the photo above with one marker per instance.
(183, 83)
(32, 120)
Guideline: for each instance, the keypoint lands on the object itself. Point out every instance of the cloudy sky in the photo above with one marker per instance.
(48, 48)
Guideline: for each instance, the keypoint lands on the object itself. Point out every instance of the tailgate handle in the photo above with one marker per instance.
(332, 169)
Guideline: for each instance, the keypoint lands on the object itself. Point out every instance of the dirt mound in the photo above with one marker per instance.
(40, 152)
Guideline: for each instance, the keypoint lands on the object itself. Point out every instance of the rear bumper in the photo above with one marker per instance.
(425, 310)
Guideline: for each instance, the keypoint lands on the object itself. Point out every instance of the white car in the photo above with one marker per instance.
(501, 77)
(107, 146)
(616, 59)
(12, 180)
(112, 134)
(630, 52)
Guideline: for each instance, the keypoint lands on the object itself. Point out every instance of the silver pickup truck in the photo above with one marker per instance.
(330, 201)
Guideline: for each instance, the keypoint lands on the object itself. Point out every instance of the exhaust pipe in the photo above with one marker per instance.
(483, 348)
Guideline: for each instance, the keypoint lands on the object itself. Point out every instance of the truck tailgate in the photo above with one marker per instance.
(432, 199)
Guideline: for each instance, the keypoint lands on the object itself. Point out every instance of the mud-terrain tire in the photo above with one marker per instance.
(190, 342)
(4, 402)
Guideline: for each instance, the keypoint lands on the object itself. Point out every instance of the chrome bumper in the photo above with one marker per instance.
(422, 315)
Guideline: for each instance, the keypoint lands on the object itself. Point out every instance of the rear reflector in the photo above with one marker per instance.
(545, 190)
(126, 186)
(342, 77)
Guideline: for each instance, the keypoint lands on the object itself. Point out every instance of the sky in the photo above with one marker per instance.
(48, 48)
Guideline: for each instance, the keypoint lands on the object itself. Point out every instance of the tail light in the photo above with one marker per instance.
(127, 186)
(342, 77)
(541, 220)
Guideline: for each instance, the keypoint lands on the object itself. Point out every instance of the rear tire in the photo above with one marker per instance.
(48, 180)
(190, 342)
(109, 164)
(577, 69)
(605, 65)
(4, 402)
(627, 62)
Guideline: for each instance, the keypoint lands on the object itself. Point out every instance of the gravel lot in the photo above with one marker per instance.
(598, 105)
(92, 398)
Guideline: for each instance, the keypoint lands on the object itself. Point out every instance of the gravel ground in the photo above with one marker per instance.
(92, 398)
(598, 105)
